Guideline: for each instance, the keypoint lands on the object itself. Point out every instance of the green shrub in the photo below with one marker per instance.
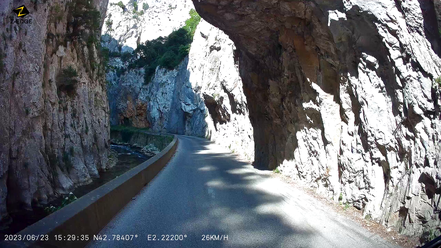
(121, 5)
(67, 79)
(105, 56)
(86, 25)
(109, 24)
(438, 81)
(85, 14)
(57, 13)
(137, 13)
(126, 56)
(92, 40)
(67, 160)
(167, 52)
(135, 6)
(66, 201)
(145, 6)
(168, 60)
(192, 23)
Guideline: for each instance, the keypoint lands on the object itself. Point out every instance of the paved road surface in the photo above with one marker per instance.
(205, 190)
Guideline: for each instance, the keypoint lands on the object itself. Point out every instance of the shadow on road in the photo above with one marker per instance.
(205, 190)
(224, 199)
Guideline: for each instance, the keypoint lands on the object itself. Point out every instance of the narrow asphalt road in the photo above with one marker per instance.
(206, 191)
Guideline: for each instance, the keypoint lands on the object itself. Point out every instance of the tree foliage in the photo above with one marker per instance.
(85, 14)
(192, 23)
(121, 5)
(167, 52)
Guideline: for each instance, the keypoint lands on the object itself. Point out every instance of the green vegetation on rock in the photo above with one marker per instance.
(85, 16)
(109, 24)
(438, 81)
(67, 79)
(192, 23)
(128, 134)
(127, 128)
(66, 201)
(120, 4)
(85, 25)
(135, 11)
(57, 13)
(167, 52)
(145, 6)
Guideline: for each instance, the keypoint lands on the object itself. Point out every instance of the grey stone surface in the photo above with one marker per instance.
(51, 138)
(203, 96)
(342, 96)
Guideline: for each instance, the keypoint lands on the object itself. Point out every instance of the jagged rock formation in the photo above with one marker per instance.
(54, 131)
(138, 21)
(342, 96)
(203, 96)
(125, 27)
(214, 76)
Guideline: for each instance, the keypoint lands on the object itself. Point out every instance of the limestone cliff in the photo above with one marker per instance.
(202, 96)
(54, 131)
(214, 75)
(343, 96)
(129, 23)
(132, 22)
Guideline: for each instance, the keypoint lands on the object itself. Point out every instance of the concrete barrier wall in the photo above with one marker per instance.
(92, 212)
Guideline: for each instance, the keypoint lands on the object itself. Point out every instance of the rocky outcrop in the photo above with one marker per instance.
(132, 22)
(342, 96)
(214, 76)
(123, 92)
(173, 106)
(202, 96)
(127, 24)
(54, 131)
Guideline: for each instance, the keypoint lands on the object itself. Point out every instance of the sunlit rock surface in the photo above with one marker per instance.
(203, 96)
(152, 19)
(342, 96)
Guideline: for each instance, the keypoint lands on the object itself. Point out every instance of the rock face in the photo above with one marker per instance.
(127, 25)
(214, 76)
(342, 96)
(203, 96)
(54, 131)
(134, 22)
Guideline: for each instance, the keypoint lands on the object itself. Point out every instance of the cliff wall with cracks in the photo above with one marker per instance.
(202, 96)
(54, 131)
(343, 96)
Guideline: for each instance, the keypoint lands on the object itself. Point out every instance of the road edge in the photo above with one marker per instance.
(76, 224)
